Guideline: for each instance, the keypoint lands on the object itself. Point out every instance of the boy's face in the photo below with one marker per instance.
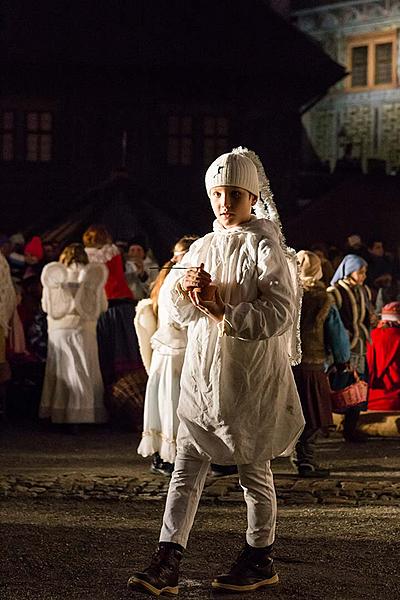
(231, 205)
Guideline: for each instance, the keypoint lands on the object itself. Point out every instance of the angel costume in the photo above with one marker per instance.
(168, 343)
(73, 298)
(238, 402)
(7, 308)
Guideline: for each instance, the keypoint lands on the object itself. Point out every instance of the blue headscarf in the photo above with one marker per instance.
(349, 264)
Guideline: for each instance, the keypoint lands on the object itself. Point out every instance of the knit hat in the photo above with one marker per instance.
(391, 312)
(233, 169)
(310, 268)
(34, 247)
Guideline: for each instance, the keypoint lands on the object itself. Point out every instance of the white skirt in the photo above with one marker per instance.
(73, 389)
(160, 422)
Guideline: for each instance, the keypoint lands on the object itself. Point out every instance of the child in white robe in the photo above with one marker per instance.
(238, 402)
(73, 298)
(167, 343)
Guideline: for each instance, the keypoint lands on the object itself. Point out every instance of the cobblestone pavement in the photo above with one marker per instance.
(101, 464)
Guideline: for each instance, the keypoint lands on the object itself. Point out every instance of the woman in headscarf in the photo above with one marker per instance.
(353, 300)
(383, 355)
(322, 333)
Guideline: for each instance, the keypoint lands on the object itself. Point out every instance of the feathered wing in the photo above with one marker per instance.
(90, 297)
(57, 299)
(265, 208)
(146, 325)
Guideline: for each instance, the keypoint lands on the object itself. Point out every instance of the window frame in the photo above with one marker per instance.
(180, 137)
(216, 138)
(5, 131)
(39, 132)
(372, 40)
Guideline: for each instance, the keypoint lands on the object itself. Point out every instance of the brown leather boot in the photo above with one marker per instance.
(161, 576)
(253, 569)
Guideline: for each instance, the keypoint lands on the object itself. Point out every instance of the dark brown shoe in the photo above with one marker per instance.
(161, 576)
(251, 571)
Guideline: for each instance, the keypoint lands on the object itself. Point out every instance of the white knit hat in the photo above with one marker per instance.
(233, 169)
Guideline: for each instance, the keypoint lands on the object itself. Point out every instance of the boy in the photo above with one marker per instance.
(238, 402)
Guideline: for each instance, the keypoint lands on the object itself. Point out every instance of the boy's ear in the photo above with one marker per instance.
(253, 199)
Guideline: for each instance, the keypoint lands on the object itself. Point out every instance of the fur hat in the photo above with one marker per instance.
(233, 169)
(391, 312)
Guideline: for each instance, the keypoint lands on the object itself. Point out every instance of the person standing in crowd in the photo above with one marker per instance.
(120, 362)
(73, 298)
(353, 300)
(238, 402)
(389, 291)
(168, 344)
(140, 269)
(355, 245)
(383, 356)
(322, 251)
(322, 333)
(7, 308)
(379, 264)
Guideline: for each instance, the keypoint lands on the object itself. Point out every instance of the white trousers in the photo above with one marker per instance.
(186, 487)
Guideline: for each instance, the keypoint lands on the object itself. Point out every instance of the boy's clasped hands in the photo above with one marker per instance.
(196, 283)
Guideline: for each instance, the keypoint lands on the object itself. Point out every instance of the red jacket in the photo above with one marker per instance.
(383, 356)
(116, 286)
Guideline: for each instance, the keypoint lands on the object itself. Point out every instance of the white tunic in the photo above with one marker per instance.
(160, 421)
(239, 402)
(73, 298)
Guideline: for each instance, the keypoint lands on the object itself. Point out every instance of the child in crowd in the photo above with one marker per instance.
(383, 356)
(322, 334)
(140, 269)
(73, 298)
(238, 401)
(168, 345)
(353, 300)
(7, 308)
(122, 369)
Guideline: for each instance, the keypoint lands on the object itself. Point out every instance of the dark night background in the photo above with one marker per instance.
(142, 96)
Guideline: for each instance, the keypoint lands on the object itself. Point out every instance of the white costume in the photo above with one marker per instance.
(239, 402)
(8, 299)
(168, 343)
(73, 298)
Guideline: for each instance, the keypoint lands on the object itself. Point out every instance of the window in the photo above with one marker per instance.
(372, 62)
(39, 136)
(7, 136)
(215, 130)
(180, 142)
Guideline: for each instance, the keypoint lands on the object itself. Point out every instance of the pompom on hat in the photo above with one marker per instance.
(391, 312)
(233, 169)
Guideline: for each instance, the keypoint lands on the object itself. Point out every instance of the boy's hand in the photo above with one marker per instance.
(195, 277)
(209, 302)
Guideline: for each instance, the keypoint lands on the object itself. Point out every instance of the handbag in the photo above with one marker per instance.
(351, 396)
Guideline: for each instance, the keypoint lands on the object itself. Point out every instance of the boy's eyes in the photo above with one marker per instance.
(235, 194)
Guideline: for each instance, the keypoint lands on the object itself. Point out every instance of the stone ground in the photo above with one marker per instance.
(100, 464)
(79, 513)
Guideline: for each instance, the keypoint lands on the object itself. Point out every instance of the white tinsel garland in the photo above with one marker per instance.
(265, 208)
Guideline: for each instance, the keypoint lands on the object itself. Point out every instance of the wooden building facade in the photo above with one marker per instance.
(156, 88)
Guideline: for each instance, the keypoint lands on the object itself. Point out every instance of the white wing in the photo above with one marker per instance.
(145, 324)
(89, 299)
(57, 299)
